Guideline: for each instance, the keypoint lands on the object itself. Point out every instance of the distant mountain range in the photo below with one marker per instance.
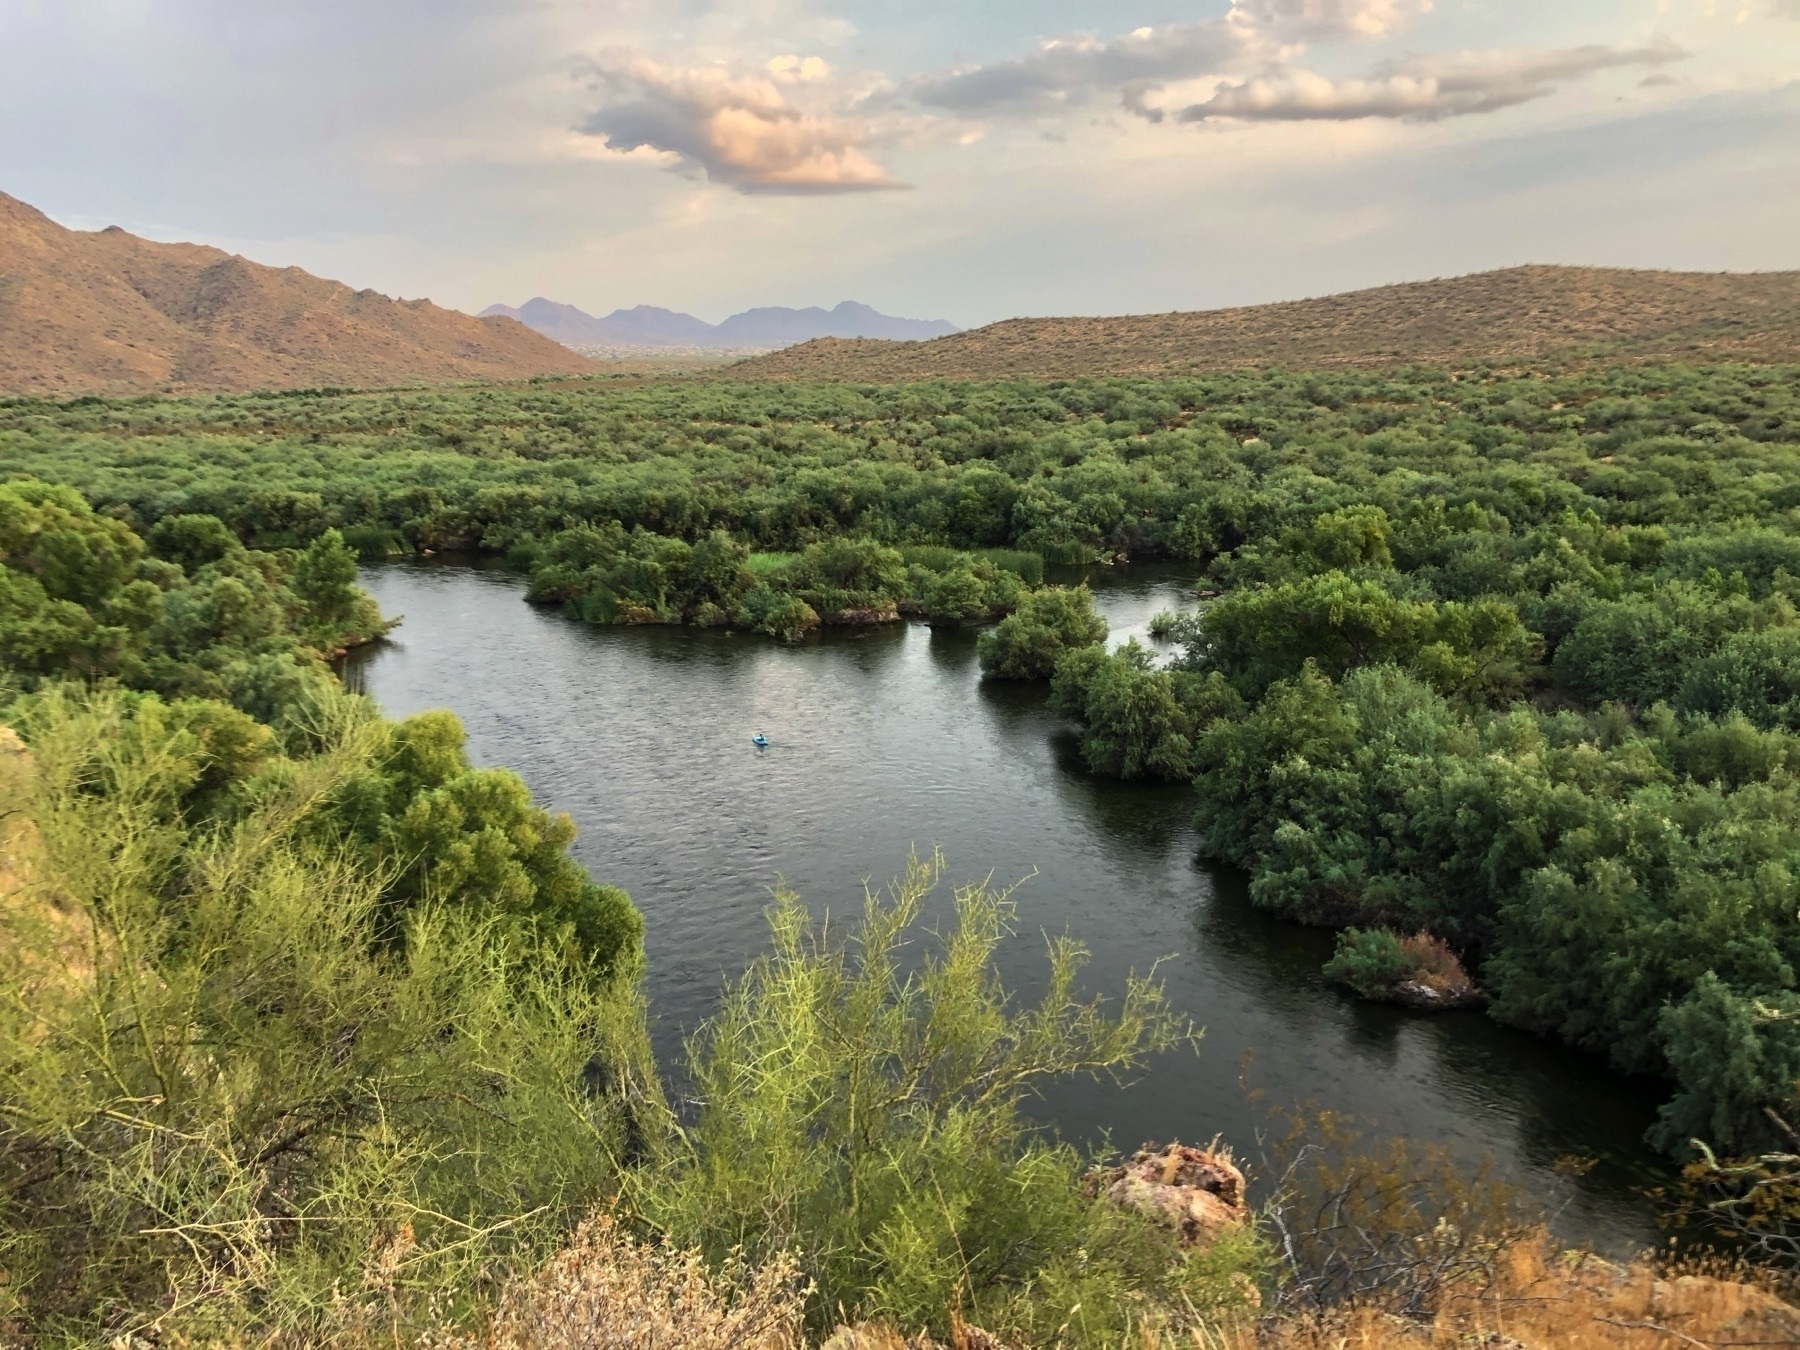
(755, 329)
(108, 312)
(1506, 318)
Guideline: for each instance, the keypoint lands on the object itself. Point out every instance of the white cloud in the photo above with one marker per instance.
(1333, 18)
(1421, 88)
(1787, 9)
(1068, 70)
(741, 130)
(806, 70)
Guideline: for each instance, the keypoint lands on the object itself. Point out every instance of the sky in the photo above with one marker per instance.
(962, 159)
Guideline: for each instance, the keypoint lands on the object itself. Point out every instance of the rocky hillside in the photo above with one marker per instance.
(111, 313)
(1520, 314)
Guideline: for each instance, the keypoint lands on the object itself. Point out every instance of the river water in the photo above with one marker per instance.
(887, 740)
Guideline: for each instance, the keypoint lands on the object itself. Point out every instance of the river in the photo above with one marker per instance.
(887, 740)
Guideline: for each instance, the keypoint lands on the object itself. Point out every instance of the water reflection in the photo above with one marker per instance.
(886, 739)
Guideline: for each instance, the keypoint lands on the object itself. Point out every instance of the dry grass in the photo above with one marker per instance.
(604, 1291)
(1522, 314)
(1560, 1302)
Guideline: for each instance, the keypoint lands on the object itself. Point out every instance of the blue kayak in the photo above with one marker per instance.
(760, 741)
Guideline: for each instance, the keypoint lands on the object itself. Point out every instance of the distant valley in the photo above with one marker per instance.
(754, 330)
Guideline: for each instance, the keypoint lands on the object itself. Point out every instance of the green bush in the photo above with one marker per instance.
(1028, 567)
(1139, 721)
(231, 1099)
(859, 1110)
(1048, 624)
(78, 597)
(781, 615)
(446, 834)
(1371, 961)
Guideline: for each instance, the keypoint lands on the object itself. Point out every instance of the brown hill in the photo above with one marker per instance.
(112, 313)
(1521, 314)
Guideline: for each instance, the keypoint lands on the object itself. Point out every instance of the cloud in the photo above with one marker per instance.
(1332, 18)
(1787, 9)
(1421, 88)
(1068, 70)
(805, 70)
(741, 130)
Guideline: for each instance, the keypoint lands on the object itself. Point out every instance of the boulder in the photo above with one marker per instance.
(1433, 996)
(1197, 1191)
(874, 1336)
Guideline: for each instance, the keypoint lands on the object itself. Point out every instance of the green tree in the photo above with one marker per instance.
(1048, 624)
(338, 612)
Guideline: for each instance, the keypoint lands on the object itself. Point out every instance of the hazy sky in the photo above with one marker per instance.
(963, 159)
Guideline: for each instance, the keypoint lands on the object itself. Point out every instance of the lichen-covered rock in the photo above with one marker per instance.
(1197, 1191)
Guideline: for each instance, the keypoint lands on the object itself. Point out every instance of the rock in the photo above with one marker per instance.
(974, 1338)
(1429, 997)
(888, 613)
(1198, 1191)
(869, 1336)
(874, 1336)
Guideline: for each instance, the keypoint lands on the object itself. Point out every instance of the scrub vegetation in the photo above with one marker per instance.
(310, 1031)
(308, 1021)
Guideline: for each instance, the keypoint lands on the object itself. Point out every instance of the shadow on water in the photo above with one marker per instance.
(884, 740)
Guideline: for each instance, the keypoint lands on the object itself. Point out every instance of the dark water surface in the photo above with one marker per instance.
(885, 740)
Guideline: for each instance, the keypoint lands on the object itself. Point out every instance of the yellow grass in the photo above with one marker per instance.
(1563, 1301)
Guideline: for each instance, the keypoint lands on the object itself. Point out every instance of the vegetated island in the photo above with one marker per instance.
(1519, 316)
(1502, 669)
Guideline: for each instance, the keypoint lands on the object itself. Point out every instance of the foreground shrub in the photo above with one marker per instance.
(863, 1114)
(231, 1094)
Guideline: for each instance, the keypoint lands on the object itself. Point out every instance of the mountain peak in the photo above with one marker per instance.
(762, 328)
(106, 311)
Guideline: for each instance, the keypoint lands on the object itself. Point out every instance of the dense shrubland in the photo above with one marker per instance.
(1510, 663)
(1570, 751)
(604, 575)
(289, 991)
(1068, 471)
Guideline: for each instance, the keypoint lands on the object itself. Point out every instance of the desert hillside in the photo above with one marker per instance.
(111, 313)
(1520, 314)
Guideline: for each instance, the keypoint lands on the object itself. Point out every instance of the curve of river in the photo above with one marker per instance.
(885, 740)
